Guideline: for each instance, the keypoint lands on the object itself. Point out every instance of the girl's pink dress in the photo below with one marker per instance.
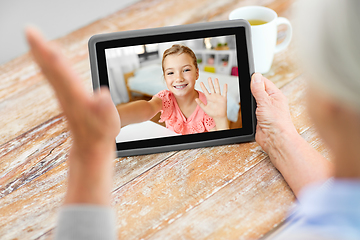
(198, 122)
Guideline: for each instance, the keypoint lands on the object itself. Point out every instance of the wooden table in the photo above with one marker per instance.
(225, 192)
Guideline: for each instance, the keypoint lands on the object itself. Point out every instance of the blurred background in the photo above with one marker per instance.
(16, 14)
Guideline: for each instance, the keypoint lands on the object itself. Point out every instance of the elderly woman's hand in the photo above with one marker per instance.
(273, 116)
(298, 162)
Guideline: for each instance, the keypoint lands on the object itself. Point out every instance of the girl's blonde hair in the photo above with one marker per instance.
(179, 49)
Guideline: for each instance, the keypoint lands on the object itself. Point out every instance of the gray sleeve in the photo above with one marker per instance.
(84, 221)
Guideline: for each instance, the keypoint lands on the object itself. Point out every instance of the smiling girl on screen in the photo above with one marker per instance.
(183, 109)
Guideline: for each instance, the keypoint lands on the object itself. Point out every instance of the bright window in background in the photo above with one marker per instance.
(149, 52)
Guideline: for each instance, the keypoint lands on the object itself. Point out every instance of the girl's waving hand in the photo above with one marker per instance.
(216, 106)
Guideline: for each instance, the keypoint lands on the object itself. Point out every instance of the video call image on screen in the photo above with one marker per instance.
(135, 73)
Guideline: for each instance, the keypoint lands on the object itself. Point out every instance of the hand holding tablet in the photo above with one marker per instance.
(170, 67)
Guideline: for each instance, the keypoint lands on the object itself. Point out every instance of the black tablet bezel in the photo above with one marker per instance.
(239, 28)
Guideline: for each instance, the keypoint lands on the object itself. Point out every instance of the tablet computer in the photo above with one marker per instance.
(132, 65)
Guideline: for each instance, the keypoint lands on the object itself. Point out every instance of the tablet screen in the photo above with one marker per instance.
(133, 69)
(137, 73)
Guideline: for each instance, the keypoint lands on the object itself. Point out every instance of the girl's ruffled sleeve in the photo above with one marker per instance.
(167, 105)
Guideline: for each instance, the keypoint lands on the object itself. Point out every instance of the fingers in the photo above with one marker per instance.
(258, 87)
(205, 91)
(262, 87)
(65, 82)
(225, 91)
(102, 99)
(217, 86)
(200, 103)
(215, 89)
(211, 86)
(270, 87)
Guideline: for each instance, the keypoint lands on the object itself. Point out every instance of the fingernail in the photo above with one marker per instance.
(257, 77)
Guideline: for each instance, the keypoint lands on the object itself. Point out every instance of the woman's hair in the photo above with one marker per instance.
(179, 49)
(329, 39)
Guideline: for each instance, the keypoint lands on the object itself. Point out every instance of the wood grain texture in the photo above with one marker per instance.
(176, 185)
(31, 210)
(33, 154)
(224, 192)
(34, 205)
(237, 211)
(186, 197)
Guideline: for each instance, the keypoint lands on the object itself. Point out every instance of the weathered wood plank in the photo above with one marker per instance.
(237, 211)
(176, 185)
(157, 13)
(25, 108)
(31, 210)
(240, 210)
(32, 154)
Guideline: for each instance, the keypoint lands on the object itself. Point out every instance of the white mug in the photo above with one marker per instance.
(264, 36)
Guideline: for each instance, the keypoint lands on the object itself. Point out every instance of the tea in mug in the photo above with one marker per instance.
(255, 22)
